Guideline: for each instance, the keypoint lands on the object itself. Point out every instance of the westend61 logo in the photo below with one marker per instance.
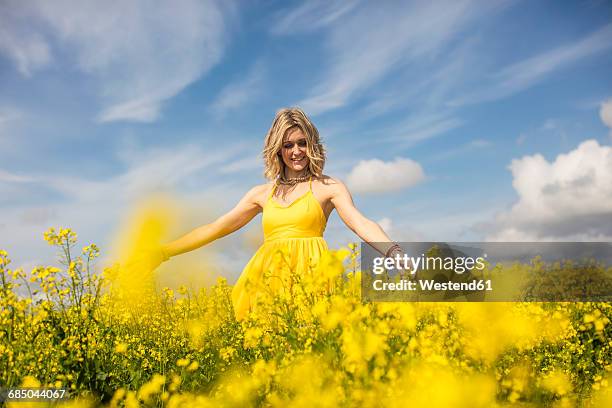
(488, 271)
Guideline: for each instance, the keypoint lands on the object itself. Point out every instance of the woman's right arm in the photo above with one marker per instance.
(240, 215)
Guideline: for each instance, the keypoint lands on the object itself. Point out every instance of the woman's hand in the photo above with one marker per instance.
(397, 253)
(147, 261)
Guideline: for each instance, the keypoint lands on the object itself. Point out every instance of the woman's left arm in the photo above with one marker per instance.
(366, 229)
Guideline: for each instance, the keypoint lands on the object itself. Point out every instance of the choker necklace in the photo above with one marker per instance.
(293, 180)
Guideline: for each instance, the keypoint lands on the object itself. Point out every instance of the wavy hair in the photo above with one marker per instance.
(286, 119)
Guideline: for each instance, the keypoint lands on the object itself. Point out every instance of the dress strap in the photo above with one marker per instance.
(273, 190)
(310, 183)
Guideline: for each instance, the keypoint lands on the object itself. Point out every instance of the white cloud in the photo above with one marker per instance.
(8, 118)
(526, 73)
(310, 16)
(248, 164)
(414, 129)
(7, 115)
(569, 198)
(240, 93)
(385, 223)
(26, 48)
(371, 41)
(140, 54)
(37, 215)
(95, 208)
(147, 170)
(605, 113)
(377, 176)
(416, 133)
(8, 177)
(470, 147)
(402, 232)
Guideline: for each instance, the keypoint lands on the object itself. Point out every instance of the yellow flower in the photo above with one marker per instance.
(175, 383)
(252, 336)
(330, 265)
(131, 401)
(121, 348)
(29, 381)
(117, 396)
(227, 353)
(153, 386)
(557, 382)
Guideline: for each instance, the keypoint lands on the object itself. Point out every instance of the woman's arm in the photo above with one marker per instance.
(240, 215)
(366, 229)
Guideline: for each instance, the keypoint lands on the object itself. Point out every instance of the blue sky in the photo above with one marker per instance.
(481, 120)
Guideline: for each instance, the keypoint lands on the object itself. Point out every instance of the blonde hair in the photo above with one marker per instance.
(286, 119)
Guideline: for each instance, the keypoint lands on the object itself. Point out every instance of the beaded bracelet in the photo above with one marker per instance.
(393, 247)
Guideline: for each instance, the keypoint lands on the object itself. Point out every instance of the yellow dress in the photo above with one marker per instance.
(295, 230)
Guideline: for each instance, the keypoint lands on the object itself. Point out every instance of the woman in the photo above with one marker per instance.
(295, 204)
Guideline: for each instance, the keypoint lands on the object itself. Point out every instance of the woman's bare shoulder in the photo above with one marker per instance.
(259, 192)
(330, 183)
(328, 180)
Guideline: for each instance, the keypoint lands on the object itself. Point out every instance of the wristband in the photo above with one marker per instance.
(393, 247)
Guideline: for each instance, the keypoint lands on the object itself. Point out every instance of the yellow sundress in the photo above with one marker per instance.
(295, 230)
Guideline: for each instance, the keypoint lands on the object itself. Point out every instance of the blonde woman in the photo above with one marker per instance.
(296, 205)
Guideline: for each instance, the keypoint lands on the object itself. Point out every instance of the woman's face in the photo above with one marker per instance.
(294, 150)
